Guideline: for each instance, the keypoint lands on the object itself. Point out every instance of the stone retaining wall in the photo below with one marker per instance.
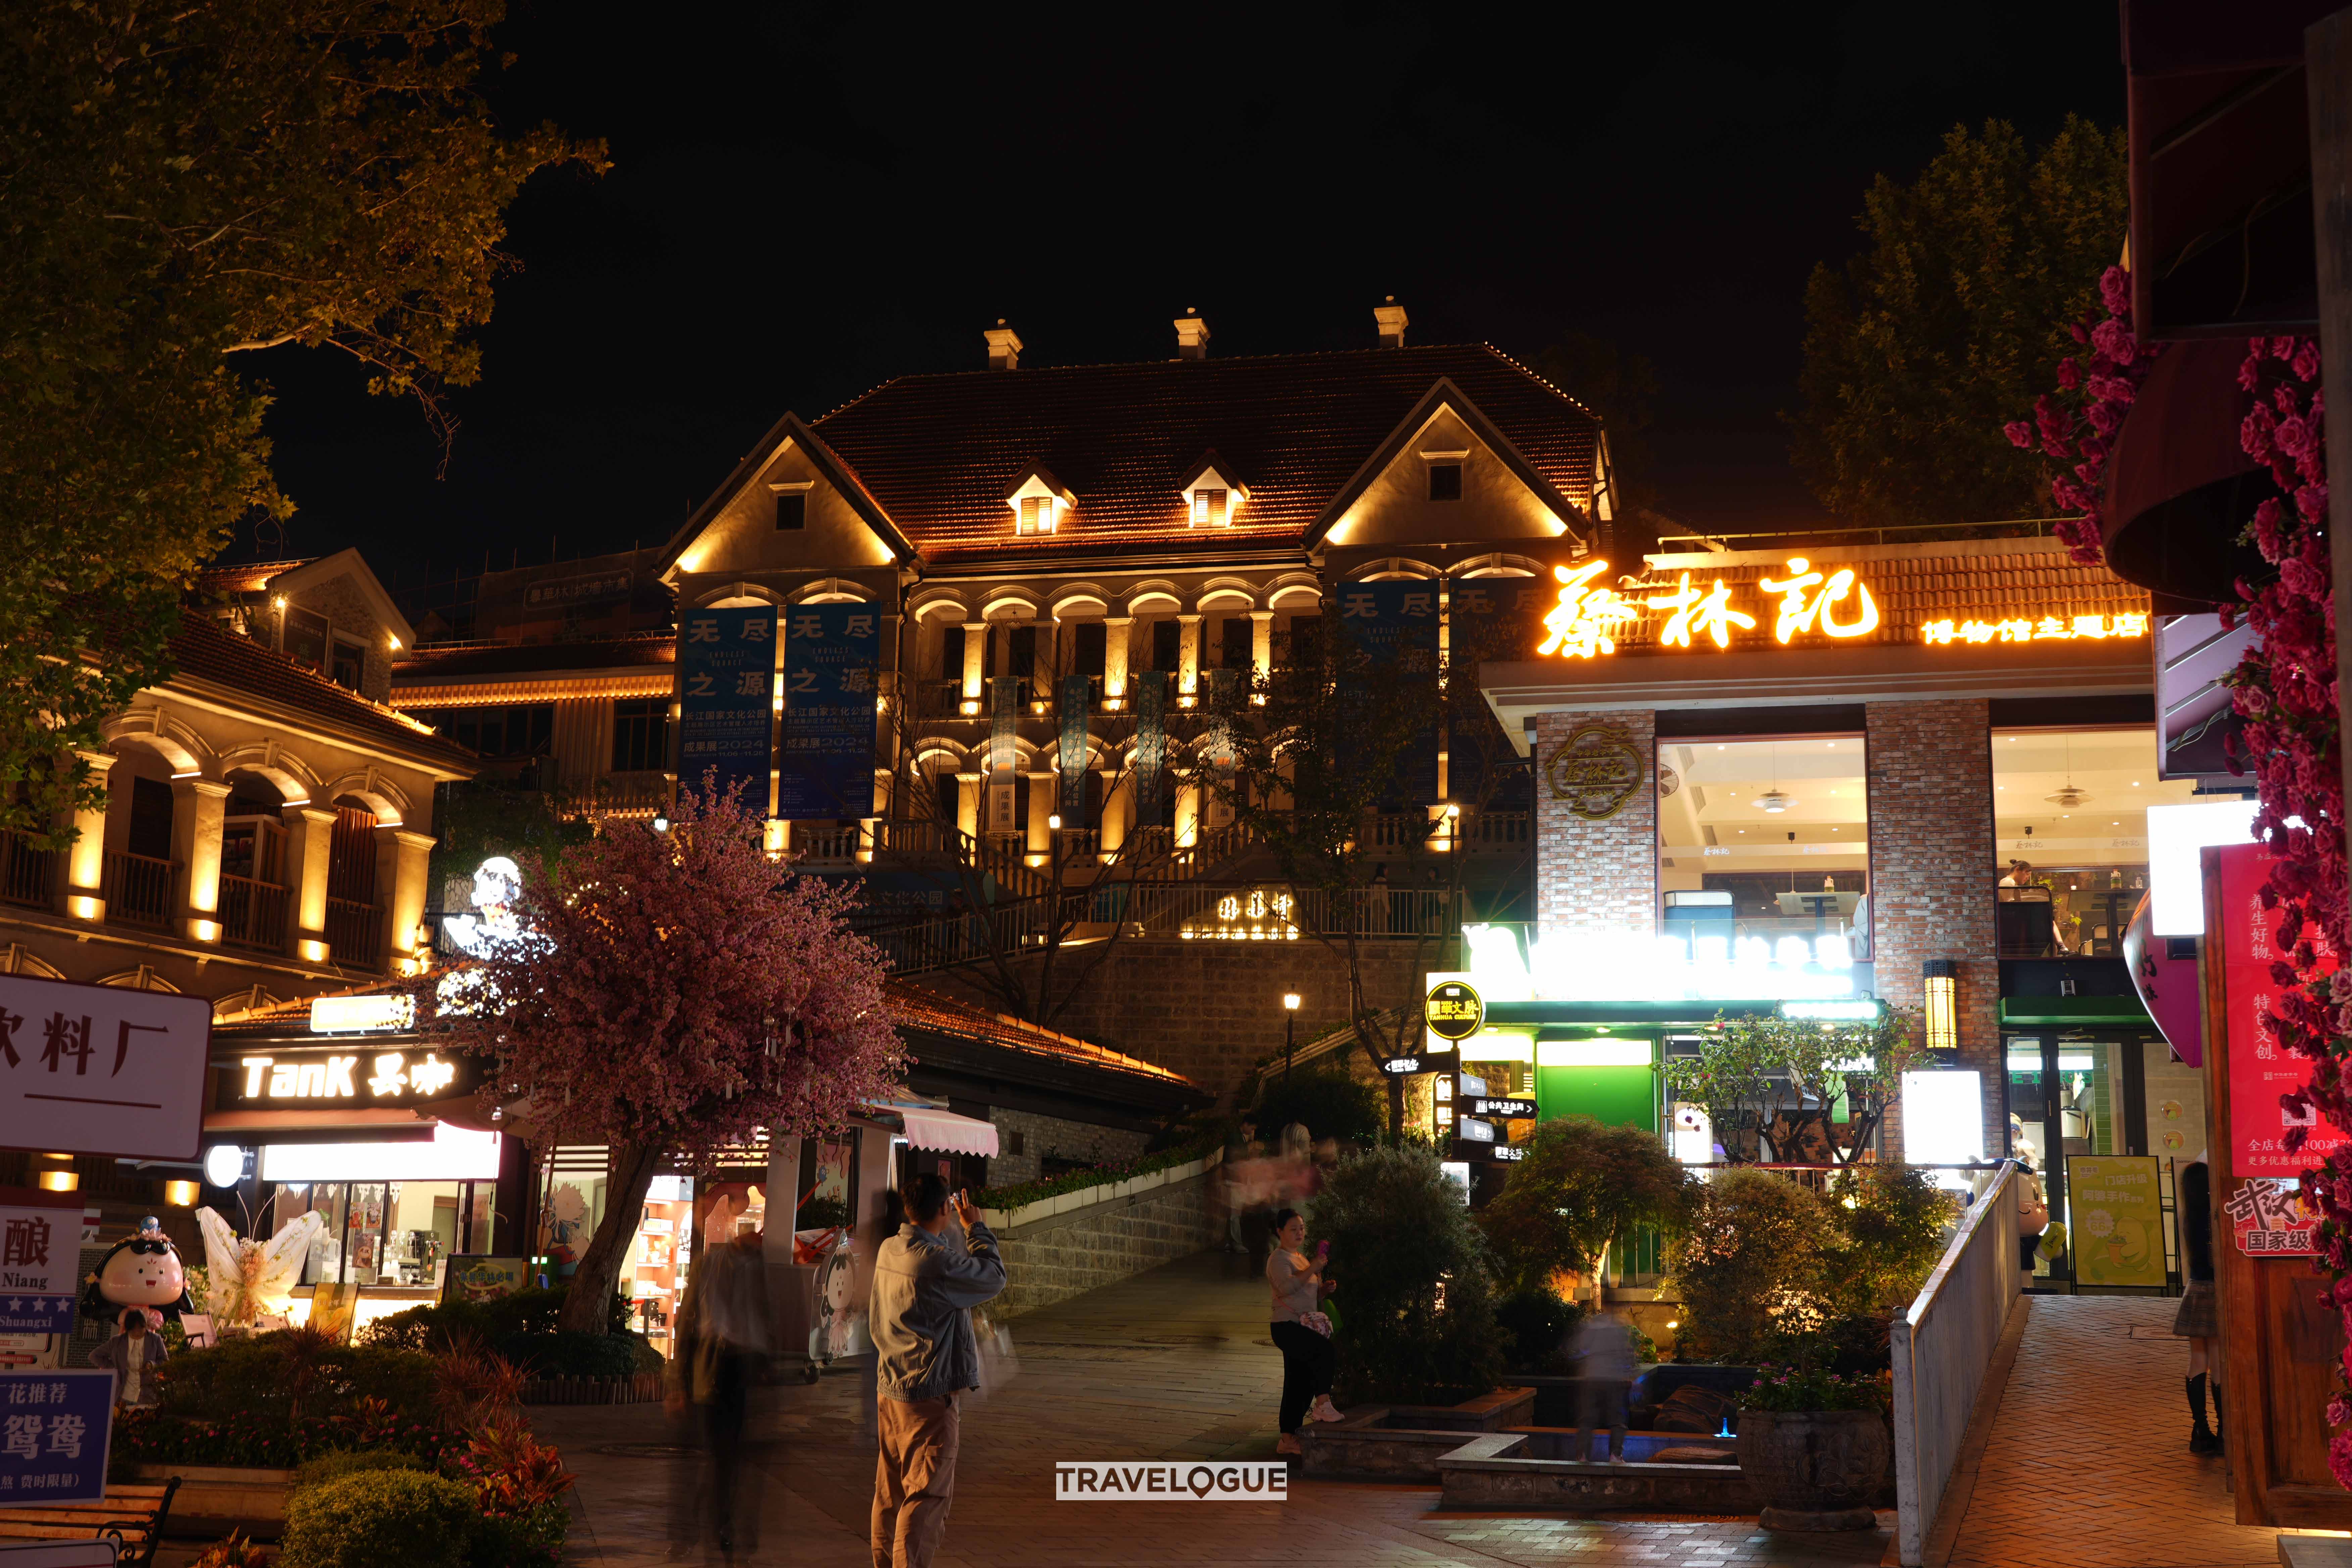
(1056, 1256)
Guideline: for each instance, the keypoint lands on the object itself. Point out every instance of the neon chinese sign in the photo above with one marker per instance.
(1256, 915)
(1808, 602)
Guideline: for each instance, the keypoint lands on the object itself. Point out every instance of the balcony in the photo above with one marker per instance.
(828, 846)
(354, 934)
(253, 914)
(27, 875)
(139, 890)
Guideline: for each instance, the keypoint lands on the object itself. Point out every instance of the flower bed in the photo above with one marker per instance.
(1019, 1195)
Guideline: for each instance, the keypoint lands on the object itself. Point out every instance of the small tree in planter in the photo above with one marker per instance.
(1415, 1301)
(669, 993)
(1771, 1085)
(1815, 1447)
(1581, 1189)
(1750, 1267)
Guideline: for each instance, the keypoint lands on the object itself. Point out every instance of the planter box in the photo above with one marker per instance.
(637, 1388)
(1404, 1442)
(1084, 1197)
(249, 1500)
(1524, 1472)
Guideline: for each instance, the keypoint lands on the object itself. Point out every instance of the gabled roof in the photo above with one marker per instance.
(293, 576)
(828, 462)
(1444, 394)
(936, 452)
(202, 650)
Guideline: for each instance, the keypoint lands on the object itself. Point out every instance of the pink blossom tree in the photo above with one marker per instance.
(670, 992)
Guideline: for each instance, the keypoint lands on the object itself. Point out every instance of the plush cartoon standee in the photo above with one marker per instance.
(143, 1270)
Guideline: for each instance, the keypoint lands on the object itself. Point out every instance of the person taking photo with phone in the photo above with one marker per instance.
(942, 1263)
(1301, 1328)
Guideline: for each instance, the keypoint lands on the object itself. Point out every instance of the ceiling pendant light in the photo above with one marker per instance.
(2068, 796)
(1773, 800)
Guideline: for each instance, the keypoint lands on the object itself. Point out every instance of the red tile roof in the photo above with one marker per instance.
(940, 452)
(913, 1007)
(446, 661)
(248, 578)
(1991, 580)
(203, 650)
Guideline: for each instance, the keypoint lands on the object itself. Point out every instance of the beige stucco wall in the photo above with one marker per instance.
(1495, 503)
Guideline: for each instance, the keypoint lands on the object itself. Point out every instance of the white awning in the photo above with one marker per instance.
(946, 1129)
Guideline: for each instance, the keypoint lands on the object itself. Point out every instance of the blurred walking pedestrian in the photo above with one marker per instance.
(1604, 1371)
(942, 1263)
(721, 1351)
(1300, 1329)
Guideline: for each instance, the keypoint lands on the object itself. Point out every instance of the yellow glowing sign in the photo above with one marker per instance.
(2027, 629)
(1798, 611)
(1579, 624)
(1256, 915)
(1710, 612)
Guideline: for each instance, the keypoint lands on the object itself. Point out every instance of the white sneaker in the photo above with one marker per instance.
(1325, 1410)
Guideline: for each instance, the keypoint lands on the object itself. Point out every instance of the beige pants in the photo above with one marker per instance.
(914, 1480)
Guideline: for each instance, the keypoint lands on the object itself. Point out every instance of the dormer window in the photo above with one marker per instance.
(792, 506)
(1445, 482)
(1038, 502)
(1211, 493)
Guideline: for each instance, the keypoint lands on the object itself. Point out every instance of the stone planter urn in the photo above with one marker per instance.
(1814, 1470)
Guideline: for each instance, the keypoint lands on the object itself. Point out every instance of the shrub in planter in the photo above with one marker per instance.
(1414, 1291)
(1749, 1267)
(1539, 1327)
(386, 1518)
(506, 1542)
(519, 1487)
(1815, 1446)
(572, 1355)
(337, 1463)
(1894, 1219)
(432, 1328)
(292, 1375)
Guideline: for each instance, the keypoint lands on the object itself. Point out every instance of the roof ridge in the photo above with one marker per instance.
(1546, 383)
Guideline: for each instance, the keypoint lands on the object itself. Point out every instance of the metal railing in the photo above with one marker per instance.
(253, 914)
(137, 889)
(27, 875)
(1943, 1348)
(356, 933)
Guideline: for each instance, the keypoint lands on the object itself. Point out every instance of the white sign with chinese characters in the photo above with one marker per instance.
(101, 1069)
(40, 1253)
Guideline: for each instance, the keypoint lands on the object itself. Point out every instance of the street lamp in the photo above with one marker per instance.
(1290, 1029)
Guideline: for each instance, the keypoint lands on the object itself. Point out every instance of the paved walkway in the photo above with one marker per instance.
(2088, 1464)
(1174, 1364)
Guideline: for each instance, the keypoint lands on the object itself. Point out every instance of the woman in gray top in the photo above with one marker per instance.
(1300, 1331)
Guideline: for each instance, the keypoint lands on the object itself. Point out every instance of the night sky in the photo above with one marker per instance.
(805, 203)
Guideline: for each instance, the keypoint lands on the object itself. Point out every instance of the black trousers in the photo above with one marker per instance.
(1306, 1358)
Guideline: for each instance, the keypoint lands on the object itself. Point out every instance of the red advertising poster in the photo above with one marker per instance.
(2270, 1220)
(2260, 1070)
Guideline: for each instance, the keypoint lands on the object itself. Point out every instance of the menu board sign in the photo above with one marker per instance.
(2118, 1221)
(2260, 1069)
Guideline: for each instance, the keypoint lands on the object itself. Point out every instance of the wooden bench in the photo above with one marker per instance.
(131, 1515)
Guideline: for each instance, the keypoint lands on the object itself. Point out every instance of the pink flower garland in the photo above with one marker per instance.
(2284, 691)
(2077, 425)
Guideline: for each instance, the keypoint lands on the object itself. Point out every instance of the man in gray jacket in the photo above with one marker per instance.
(942, 1262)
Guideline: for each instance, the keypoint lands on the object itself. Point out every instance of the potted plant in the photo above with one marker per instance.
(1814, 1446)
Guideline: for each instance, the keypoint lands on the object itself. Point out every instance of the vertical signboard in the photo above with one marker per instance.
(1395, 625)
(1491, 620)
(2260, 1069)
(2118, 1234)
(1150, 745)
(825, 766)
(726, 699)
(1077, 692)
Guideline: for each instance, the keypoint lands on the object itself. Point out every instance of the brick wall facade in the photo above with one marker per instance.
(1060, 1256)
(1596, 875)
(1210, 1010)
(1039, 1136)
(1932, 873)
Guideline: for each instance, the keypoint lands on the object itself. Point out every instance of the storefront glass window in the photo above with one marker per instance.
(1764, 839)
(2070, 812)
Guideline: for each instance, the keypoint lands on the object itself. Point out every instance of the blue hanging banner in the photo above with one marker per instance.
(825, 766)
(1494, 620)
(1078, 695)
(1150, 744)
(1394, 622)
(726, 699)
(54, 1431)
(1004, 707)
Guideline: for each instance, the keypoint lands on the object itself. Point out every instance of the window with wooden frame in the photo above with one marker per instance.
(1036, 515)
(1212, 509)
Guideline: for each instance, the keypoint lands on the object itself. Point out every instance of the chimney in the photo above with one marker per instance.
(1392, 321)
(1003, 347)
(1191, 335)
